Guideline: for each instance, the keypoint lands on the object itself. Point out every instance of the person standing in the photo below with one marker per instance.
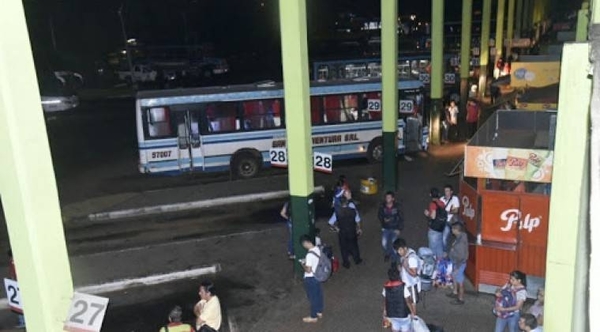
(452, 120)
(395, 308)
(452, 204)
(175, 324)
(409, 272)
(208, 310)
(392, 223)
(347, 225)
(459, 254)
(286, 214)
(340, 190)
(12, 274)
(311, 285)
(473, 113)
(435, 212)
(509, 302)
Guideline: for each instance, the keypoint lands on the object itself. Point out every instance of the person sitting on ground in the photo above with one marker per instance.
(175, 324)
(537, 309)
(208, 310)
(528, 323)
(395, 309)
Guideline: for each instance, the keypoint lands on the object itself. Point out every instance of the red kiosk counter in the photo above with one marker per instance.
(505, 197)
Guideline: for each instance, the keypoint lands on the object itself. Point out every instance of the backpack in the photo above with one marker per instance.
(427, 266)
(507, 299)
(323, 270)
(441, 218)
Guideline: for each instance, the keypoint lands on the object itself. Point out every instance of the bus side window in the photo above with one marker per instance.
(315, 111)
(262, 114)
(158, 122)
(221, 117)
(341, 108)
(370, 107)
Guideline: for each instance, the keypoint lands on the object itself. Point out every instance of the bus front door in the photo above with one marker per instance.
(188, 141)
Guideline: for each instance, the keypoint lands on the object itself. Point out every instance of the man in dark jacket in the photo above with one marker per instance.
(392, 222)
(459, 254)
(395, 310)
(347, 224)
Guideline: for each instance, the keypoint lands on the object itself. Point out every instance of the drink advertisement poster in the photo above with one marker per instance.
(509, 164)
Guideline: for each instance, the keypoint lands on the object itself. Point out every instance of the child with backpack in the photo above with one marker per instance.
(509, 302)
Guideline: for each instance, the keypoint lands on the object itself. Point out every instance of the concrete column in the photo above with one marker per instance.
(519, 19)
(484, 52)
(389, 68)
(526, 18)
(27, 182)
(292, 16)
(500, 28)
(437, 68)
(583, 21)
(465, 58)
(567, 252)
(510, 23)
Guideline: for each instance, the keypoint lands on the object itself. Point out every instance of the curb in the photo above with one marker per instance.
(194, 205)
(155, 279)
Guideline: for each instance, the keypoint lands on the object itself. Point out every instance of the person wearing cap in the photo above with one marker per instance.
(175, 324)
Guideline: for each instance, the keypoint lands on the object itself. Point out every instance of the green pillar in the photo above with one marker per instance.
(510, 24)
(484, 52)
(583, 21)
(294, 49)
(500, 28)
(389, 68)
(519, 19)
(27, 182)
(465, 58)
(437, 69)
(526, 18)
(567, 258)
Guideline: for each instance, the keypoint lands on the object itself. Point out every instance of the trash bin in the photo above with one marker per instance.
(368, 186)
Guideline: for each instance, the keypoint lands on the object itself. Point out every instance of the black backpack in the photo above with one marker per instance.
(441, 217)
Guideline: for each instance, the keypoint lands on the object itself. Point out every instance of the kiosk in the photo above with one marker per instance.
(505, 196)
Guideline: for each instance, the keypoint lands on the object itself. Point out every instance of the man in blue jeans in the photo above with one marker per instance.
(392, 222)
(311, 284)
(459, 254)
(435, 236)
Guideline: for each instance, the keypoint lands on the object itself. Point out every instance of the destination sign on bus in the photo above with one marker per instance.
(323, 140)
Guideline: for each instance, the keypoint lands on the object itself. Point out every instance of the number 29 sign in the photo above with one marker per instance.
(86, 313)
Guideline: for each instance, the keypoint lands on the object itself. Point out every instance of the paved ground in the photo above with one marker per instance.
(256, 283)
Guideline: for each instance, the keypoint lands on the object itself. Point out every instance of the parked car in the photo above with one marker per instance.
(56, 95)
(141, 73)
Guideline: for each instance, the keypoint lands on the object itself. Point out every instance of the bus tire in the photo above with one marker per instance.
(246, 165)
(375, 150)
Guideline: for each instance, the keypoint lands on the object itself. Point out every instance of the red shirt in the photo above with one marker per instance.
(12, 271)
(433, 206)
(472, 113)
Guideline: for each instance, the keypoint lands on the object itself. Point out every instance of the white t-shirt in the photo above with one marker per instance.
(538, 329)
(453, 114)
(312, 261)
(412, 263)
(451, 203)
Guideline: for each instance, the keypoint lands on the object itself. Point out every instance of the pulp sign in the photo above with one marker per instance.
(512, 216)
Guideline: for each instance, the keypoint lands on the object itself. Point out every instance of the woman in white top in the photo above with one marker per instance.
(508, 316)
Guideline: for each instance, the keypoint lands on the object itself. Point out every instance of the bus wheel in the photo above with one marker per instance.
(246, 166)
(375, 151)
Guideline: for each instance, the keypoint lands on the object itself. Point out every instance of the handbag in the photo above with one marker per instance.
(418, 325)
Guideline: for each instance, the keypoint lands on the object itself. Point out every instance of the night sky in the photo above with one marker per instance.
(85, 31)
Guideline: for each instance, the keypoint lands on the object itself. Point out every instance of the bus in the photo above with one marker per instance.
(234, 127)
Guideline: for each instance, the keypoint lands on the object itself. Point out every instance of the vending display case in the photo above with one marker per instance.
(505, 195)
